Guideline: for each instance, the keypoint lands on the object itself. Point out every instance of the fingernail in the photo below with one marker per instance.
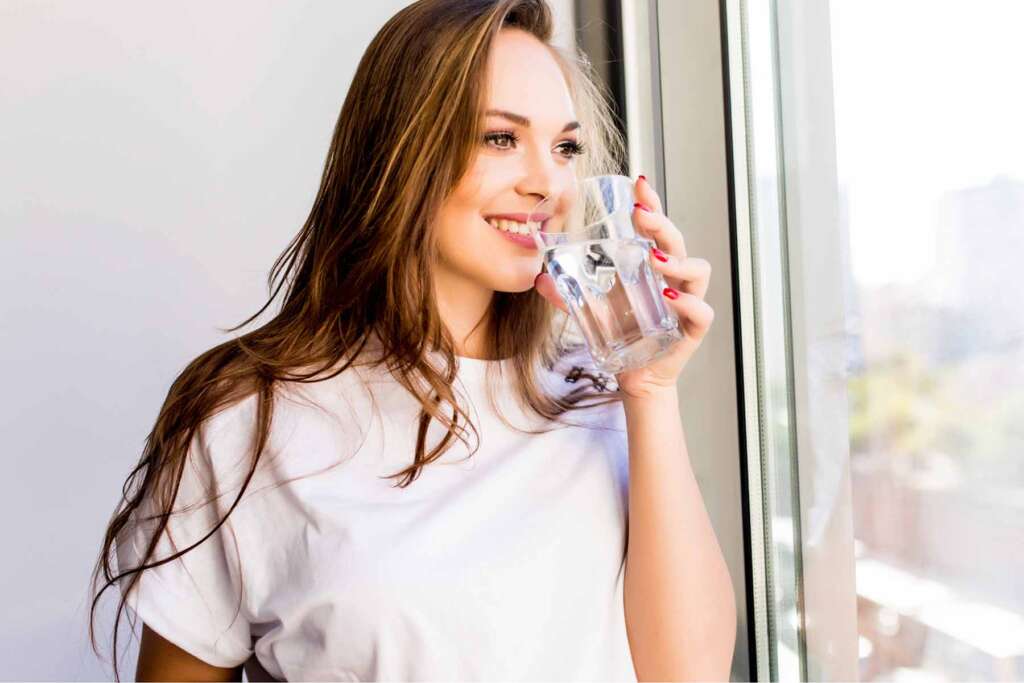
(638, 205)
(659, 254)
(643, 178)
(670, 293)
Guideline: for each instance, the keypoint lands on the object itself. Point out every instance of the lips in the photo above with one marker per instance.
(520, 217)
(526, 241)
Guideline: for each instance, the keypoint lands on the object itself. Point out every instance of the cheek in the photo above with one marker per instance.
(468, 245)
(465, 240)
(462, 232)
(471, 248)
(492, 176)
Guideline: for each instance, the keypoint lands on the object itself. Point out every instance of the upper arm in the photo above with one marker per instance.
(194, 601)
(162, 660)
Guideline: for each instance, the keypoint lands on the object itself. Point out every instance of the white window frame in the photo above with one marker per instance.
(688, 119)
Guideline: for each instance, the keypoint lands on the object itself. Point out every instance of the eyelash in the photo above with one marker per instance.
(575, 148)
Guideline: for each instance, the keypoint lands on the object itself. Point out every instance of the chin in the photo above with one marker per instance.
(519, 281)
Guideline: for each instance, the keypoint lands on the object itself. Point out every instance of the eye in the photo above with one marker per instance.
(570, 148)
(573, 148)
(502, 135)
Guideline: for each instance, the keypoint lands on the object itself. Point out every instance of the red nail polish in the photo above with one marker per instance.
(659, 254)
(670, 293)
(643, 178)
(638, 205)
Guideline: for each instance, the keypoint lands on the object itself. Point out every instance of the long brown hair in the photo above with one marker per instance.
(358, 273)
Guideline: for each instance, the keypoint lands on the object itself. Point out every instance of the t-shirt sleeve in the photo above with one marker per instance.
(195, 600)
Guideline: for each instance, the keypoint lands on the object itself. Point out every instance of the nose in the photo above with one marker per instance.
(541, 177)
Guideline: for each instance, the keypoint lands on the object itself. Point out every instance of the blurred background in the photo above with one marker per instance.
(853, 169)
(919, 163)
(931, 183)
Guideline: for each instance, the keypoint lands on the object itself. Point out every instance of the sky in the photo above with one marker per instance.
(928, 99)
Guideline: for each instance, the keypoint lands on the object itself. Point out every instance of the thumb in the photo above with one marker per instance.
(545, 286)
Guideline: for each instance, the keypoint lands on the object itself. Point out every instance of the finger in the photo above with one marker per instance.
(663, 231)
(646, 195)
(695, 314)
(692, 273)
(545, 286)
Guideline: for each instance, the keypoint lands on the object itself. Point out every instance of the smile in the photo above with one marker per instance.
(512, 226)
(515, 231)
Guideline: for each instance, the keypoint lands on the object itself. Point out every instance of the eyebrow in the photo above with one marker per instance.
(525, 122)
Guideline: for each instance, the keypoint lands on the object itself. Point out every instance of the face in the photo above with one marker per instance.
(522, 159)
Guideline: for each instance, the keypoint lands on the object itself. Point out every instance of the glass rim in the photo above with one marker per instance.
(589, 180)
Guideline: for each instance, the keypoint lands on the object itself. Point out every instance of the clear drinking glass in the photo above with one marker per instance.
(602, 270)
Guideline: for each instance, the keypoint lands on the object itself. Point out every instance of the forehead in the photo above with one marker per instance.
(523, 77)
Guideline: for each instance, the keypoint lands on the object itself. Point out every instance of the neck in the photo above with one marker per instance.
(464, 307)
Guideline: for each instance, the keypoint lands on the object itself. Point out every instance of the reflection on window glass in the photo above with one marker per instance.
(930, 147)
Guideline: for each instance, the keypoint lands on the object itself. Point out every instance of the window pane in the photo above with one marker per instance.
(930, 157)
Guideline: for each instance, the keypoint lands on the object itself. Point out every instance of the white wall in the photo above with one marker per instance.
(154, 160)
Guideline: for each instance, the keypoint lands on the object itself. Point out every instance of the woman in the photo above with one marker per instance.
(263, 527)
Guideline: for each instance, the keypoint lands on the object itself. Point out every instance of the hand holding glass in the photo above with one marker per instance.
(602, 270)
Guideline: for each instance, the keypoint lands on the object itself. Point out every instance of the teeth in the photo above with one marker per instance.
(513, 226)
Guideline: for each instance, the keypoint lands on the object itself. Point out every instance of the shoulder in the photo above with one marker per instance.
(326, 415)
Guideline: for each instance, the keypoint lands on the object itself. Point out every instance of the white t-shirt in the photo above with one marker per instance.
(507, 565)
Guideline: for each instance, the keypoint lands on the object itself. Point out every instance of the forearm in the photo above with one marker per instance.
(679, 603)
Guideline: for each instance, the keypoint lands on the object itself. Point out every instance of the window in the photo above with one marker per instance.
(879, 173)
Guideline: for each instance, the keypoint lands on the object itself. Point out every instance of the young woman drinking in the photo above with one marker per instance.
(412, 472)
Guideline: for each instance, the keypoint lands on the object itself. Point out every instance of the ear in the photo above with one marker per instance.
(545, 286)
